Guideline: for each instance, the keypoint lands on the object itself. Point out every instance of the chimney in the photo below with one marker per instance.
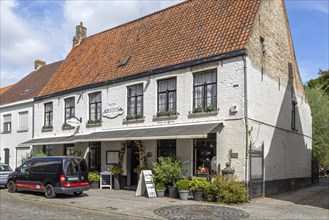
(38, 64)
(81, 32)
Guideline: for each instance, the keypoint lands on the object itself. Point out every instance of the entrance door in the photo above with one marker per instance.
(6, 151)
(95, 156)
(132, 163)
(256, 188)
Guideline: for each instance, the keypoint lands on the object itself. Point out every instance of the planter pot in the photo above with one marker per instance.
(202, 175)
(116, 181)
(173, 192)
(160, 192)
(94, 184)
(198, 195)
(183, 194)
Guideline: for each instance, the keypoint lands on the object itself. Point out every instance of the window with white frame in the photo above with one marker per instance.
(95, 106)
(135, 100)
(205, 90)
(48, 117)
(69, 108)
(23, 119)
(7, 123)
(167, 95)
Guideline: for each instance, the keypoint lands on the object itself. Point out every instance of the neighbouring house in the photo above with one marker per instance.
(210, 82)
(16, 112)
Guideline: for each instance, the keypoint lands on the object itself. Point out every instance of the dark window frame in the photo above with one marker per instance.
(167, 92)
(164, 145)
(66, 147)
(70, 108)
(48, 150)
(205, 85)
(293, 116)
(135, 100)
(48, 114)
(98, 106)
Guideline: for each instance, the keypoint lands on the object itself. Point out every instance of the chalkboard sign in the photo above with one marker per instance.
(146, 181)
(106, 179)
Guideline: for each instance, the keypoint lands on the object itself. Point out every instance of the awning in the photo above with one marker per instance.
(164, 132)
(46, 141)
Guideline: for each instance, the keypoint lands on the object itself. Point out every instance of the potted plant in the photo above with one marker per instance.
(202, 171)
(197, 185)
(168, 170)
(183, 188)
(117, 171)
(160, 188)
(93, 178)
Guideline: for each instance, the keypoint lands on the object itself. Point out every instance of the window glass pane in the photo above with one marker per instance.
(7, 118)
(162, 85)
(23, 121)
(139, 90)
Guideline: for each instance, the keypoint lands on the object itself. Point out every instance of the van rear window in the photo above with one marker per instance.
(75, 166)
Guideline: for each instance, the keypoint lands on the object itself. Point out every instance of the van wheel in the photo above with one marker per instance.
(78, 193)
(11, 186)
(49, 191)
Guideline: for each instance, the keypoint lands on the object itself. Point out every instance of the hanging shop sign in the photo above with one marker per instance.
(113, 110)
(73, 121)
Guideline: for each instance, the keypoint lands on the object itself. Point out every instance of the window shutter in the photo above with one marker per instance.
(23, 121)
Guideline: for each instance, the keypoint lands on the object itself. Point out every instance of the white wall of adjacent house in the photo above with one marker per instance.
(21, 130)
(229, 96)
(288, 152)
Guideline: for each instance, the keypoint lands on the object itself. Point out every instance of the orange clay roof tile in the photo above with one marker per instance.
(188, 31)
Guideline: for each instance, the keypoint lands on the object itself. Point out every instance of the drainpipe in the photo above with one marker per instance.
(246, 119)
(31, 149)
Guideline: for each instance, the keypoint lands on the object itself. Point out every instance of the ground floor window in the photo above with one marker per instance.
(204, 152)
(167, 148)
(69, 149)
(95, 156)
(48, 150)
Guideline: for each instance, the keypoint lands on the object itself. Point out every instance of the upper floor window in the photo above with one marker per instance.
(95, 106)
(69, 108)
(167, 95)
(48, 114)
(7, 123)
(135, 100)
(205, 90)
(23, 121)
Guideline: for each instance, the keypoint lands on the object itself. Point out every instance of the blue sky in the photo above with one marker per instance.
(43, 30)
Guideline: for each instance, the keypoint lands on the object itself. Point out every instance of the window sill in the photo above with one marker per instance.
(6, 132)
(68, 127)
(138, 120)
(165, 117)
(46, 129)
(201, 114)
(93, 125)
(21, 131)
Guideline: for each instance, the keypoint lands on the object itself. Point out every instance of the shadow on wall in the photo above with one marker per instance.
(288, 161)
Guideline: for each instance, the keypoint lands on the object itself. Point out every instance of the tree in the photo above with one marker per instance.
(319, 103)
(321, 82)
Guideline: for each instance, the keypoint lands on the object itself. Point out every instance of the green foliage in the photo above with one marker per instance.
(167, 113)
(319, 103)
(30, 155)
(210, 108)
(198, 183)
(160, 186)
(168, 170)
(183, 184)
(197, 109)
(321, 82)
(227, 192)
(117, 170)
(94, 176)
(96, 121)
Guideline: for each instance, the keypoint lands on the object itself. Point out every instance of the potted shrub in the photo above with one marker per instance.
(168, 170)
(93, 178)
(183, 188)
(197, 185)
(117, 171)
(160, 188)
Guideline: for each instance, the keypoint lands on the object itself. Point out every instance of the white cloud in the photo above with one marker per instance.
(309, 5)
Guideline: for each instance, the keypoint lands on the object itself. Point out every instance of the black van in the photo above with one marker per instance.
(51, 175)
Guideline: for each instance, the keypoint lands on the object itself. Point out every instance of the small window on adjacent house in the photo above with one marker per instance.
(7, 123)
(48, 120)
(135, 100)
(293, 116)
(48, 150)
(69, 108)
(95, 106)
(205, 91)
(23, 121)
(167, 95)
